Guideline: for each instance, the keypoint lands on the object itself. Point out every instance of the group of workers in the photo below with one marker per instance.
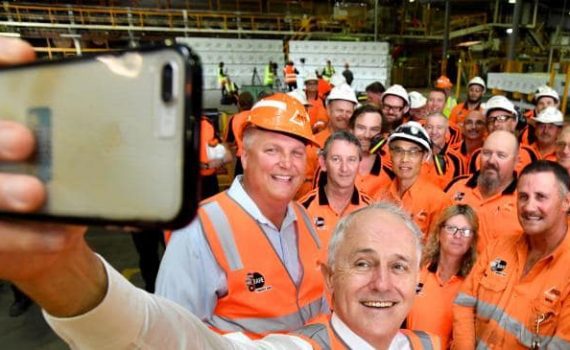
(385, 225)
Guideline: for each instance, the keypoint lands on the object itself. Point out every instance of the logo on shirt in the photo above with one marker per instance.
(419, 288)
(552, 295)
(458, 196)
(498, 266)
(256, 282)
(319, 222)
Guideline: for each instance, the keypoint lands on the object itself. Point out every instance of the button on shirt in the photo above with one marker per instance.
(190, 275)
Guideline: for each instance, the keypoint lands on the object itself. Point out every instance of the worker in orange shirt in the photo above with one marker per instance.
(516, 296)
(447, 259)
(372, 176)
(436, 104)
(444, 83)
(474, 132)
(491, 190)
(501, 114)
(445, 164)
(336, 196)
(417, 112)
(410, 146)
(340, 105)
(547, 125)
(317, 111)
(475, 90)
(234, 130)
(213, 156)
(544, 96)
(290, 75)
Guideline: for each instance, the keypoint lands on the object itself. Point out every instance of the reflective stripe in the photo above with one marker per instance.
(425, 339)
(510, 325)
(309, 225)
(223, 230)
(463, 299)
(317, 333)
(481, 345)
(262, 325)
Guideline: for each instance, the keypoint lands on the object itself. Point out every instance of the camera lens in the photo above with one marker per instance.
(166, 86)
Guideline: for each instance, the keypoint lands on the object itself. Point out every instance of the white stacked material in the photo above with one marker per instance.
(368, 61)
(525, 83)
(240, 57)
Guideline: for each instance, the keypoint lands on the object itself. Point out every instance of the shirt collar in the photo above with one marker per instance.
(237, 192)
(400, 341)
(323, 199)
(511, 188)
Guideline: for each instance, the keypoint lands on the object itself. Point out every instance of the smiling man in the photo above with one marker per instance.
(516, 296)
(207, 265)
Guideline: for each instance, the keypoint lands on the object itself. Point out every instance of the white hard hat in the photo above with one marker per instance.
(311, 76)
(300, 96)
(417, 100)
(550, 115)
(397, 90)
(414, 132)
(499, 102)
(477, 81)
(546, 91)
(342, 92)
(338, 80)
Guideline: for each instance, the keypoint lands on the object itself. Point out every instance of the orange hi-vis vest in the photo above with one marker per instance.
(262, 298)
(290, 75)
(321, 335)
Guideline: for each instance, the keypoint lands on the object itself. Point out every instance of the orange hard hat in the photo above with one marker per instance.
(443, 82)
(284, 114)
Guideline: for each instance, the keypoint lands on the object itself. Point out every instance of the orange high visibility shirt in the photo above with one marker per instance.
(322, 336)
(432, 309)
(460, 112)
(423, 201)
(207, 137)
(549, 156)
(526, 156)
(461, 151)
(499, 308)
(443, 167)
(497, 214)
(323, 216)
(317, 111)
(256, 276)
(290, 74)
(312, 163)
(234, 131)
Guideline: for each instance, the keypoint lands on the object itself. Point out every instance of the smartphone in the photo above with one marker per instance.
(117, 135)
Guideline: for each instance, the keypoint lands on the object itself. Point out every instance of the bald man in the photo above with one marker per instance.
(491, 190)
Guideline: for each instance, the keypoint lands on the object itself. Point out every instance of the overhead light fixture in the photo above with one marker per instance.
(509, 30)
(512, 1)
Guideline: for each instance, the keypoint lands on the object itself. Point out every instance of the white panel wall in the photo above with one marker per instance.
(523, 82)
(239, 57)
(369, 61)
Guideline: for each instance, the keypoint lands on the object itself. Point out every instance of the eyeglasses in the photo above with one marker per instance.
(396, 109)
(452, 230)
(499, 118)
(412, 152)
(562, 145)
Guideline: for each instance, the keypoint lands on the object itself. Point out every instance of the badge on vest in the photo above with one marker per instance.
(552, 295)
(256, 282)
(498, 266)
(320, 222)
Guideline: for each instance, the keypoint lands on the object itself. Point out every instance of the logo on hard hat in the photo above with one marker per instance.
(300, 119)
(256, 282)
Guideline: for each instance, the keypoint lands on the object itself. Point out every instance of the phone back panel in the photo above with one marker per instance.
(109, 146)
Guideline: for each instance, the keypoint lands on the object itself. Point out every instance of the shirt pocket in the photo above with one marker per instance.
(493, 281)
(545, 316)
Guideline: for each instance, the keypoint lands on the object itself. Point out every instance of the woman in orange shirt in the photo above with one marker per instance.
(448, 257)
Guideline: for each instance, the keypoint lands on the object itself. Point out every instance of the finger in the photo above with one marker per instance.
(16, 141)
(14, 51)
(21, 193)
